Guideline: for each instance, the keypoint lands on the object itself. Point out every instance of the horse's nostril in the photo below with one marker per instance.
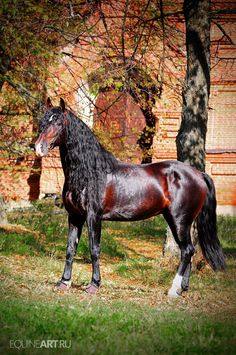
(32, 146)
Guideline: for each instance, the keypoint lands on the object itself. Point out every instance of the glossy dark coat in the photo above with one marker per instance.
(99, 187)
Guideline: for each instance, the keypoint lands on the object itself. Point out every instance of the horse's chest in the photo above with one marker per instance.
(79, 207)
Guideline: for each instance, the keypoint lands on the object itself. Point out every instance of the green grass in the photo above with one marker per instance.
(11, 243)
(147, 229)
(120, 328)
(131, 314)
(227, 234)
(227, 229)
(51, 223)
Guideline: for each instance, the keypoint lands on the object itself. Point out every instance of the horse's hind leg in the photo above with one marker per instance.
(185, 280)
(181, 233)
(181, 280)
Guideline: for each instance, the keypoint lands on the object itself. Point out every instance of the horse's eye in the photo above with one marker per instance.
(51, 118)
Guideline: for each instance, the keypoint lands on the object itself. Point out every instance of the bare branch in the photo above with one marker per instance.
(123, 30)
(222, 12)
(162, 61)
(224, 32)
(168, 14)
(6, 113)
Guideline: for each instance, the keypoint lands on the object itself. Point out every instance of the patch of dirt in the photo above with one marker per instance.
(34, 278)
(18, 229)
(141, 248)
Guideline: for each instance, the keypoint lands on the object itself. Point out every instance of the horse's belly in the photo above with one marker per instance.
(133, 204)
(128, 214)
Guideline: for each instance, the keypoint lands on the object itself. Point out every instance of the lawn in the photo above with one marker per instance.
(131, 314)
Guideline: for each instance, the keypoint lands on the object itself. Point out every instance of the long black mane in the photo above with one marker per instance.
(87, 162)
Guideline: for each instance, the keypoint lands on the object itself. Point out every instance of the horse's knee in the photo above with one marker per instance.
(70, 252)
(95, 252)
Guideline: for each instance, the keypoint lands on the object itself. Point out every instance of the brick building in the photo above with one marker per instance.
(124, 120)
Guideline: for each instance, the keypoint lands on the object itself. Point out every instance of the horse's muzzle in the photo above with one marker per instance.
(41, 149)
(41, 146)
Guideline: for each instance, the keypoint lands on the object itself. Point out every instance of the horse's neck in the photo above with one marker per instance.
(63, 154)
(76, 167)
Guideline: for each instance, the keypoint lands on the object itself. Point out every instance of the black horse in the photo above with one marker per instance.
(99, 187)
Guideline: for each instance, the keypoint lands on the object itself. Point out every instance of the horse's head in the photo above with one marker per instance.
(51, 128)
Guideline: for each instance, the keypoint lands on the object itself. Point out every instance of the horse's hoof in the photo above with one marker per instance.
(185, 284)
(174, 293)
(91, 289)
(62, 286)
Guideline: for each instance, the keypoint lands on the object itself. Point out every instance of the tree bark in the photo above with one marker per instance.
(145, 140)
(144, 92)
(3, 216)
(191, 138)
(36, 170)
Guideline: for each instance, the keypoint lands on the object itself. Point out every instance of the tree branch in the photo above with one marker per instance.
(224, 32)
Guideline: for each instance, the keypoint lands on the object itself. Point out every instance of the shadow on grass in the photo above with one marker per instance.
(151, 230)
(21, 244)
(230, 252)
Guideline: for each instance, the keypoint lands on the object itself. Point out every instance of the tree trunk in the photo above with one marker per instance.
(3, 216)
(146, 101)
(35, 173)
(145, 140)
(191, 137)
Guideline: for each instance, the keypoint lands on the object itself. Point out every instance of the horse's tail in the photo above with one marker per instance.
(207, 229)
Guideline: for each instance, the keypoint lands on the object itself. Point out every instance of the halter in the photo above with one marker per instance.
(67, 118)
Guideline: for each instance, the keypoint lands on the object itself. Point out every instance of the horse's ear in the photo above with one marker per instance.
(49, 103)
(62, 105)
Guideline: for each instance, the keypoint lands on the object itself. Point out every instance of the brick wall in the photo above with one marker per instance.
(21, 183)
(52, 177)
(123, 122)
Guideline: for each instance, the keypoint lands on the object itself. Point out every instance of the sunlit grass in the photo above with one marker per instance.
(118, 328)
(131, 314)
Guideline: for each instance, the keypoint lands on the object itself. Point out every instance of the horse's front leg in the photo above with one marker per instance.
(75, 229)
(94, 231)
